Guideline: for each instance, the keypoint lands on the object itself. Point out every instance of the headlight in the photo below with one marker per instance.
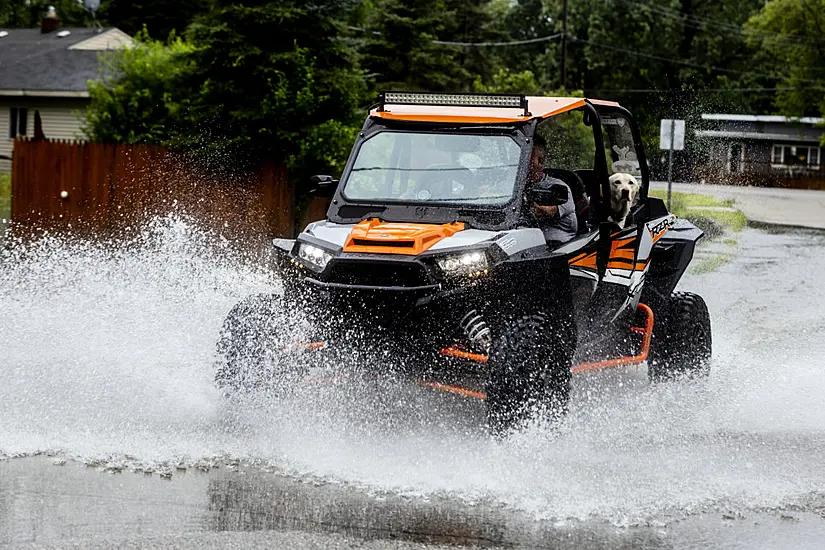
(313, 257)
(470, 263)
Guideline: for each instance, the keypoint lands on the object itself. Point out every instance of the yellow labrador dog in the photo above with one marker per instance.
(624, 190)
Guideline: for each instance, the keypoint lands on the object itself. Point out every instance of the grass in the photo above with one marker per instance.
(717, 218)
(710, 263)
(687, 200)
(5, 195)
(695, 208)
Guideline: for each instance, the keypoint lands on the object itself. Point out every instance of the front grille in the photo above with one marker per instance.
(393, 244)
(378, 274)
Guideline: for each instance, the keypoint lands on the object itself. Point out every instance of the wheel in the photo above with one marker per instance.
(256, 347)
(681, 344)
(529, 371)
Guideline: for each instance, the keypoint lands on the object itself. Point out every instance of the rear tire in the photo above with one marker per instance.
(529, 372)
(254, 345)
(682, 343)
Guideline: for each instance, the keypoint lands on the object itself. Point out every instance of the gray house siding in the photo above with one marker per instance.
(61, 119)
(754, 149)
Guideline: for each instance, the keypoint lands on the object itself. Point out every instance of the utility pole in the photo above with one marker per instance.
(670, 161)
(564, 46)
(671, 138)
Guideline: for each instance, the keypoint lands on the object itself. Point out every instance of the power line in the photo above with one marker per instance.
(696, 91)
(703, 23)
(687, 63)
(498, 44)
(475, 44)
(615, 48)
(564, 46)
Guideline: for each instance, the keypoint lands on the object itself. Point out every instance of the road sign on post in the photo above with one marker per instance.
(671, 138)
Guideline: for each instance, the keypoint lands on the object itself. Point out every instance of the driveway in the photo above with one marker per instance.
(763, 205)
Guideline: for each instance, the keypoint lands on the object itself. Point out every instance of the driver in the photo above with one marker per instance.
(558, 223)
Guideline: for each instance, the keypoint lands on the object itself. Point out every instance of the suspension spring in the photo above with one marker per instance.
(476, 330)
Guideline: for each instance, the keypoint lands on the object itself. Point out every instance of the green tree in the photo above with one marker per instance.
(398, 50)
(529, 20)
(275, 81)
(266, 81)
(423, 44)
(472, 22)
(508, 82)
(138, 98)
(160, 17)
(654, 44)
(662, 59)
(790, 35)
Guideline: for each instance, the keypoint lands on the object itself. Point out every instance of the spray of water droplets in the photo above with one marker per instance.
(108, 356)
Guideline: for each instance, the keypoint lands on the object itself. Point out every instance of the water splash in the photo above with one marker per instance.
(108, 357)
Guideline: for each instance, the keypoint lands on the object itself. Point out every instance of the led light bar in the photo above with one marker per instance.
(503, 101)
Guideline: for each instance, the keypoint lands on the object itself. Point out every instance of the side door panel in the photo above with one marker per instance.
(608, 286)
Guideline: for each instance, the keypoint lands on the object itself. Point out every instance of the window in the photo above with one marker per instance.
(776, 156)
(18, 121)
(571, 144)
(620, 149)
(795, 155)
(434, 168)
(736, 156)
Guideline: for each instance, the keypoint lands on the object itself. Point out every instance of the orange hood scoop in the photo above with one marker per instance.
(377, 237)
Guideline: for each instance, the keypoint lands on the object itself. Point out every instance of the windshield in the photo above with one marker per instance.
(426, 167)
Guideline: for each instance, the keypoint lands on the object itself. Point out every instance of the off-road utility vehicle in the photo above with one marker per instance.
(430, 255)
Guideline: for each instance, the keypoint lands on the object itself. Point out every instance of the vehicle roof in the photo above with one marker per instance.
(538, 106)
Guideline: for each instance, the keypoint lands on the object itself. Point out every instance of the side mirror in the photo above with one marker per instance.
(322, 185)
(554, 194)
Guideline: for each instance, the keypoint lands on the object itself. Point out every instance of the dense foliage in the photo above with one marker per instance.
(790, 35)
(290, 80)
(249, 83)
(275, 80)
(29, 13)
(160, 17)
(137, 98)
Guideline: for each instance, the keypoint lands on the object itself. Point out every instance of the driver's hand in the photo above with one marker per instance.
(545, 212)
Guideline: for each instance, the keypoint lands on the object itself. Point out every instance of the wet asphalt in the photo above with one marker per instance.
(44, 505)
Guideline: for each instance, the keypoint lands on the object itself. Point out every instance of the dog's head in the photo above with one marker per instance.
(623, 191)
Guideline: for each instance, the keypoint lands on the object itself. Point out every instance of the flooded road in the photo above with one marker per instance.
(106, 367)
(50, 505)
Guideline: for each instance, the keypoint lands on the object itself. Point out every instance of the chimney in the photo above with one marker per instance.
(50, 22)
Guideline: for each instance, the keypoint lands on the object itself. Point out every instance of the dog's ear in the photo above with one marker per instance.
(636, 188)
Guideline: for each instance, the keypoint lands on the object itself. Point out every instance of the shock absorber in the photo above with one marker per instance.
(476, 330)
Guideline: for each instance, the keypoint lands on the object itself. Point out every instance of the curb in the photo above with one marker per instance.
(736, 195)
(768, 226)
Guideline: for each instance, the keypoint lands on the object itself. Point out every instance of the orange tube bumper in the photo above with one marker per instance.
(646, 331)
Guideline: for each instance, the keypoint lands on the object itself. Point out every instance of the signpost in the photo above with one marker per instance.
(671, 138)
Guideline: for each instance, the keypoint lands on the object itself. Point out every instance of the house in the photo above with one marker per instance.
(762, 149)
(43, 74)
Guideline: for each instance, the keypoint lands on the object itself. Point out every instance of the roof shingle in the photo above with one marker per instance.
(32, 61)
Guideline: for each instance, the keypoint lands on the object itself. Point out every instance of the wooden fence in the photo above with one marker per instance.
(103, 189)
